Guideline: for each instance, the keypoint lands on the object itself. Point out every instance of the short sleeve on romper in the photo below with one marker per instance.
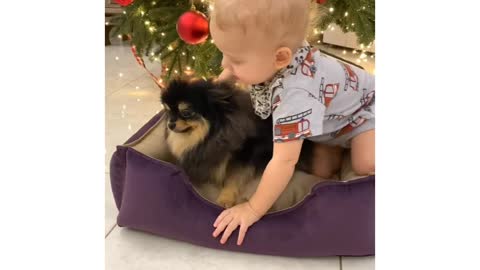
(296, 115)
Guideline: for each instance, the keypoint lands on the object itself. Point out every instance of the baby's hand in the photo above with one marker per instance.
(241, 214)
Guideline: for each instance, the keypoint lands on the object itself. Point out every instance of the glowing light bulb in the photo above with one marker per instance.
(183, 53)
(163, 34)
(176, 71)
(106, 23)
(137, 87)
(193, 57)
(156, 59)
(152, 29)
(152, 53)
(331, 9)
(212, 41)
(344, 52)
(346, 13)
(188, 68)
(120, 36)
(170, 48)
(124, 12)
(120, 74)
(116, 58)
(147, 22)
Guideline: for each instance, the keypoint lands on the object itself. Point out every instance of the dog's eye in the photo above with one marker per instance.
(187, 113)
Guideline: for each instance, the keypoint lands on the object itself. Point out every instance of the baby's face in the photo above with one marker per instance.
(250, 58)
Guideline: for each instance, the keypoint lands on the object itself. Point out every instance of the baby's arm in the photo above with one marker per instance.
(276, 176)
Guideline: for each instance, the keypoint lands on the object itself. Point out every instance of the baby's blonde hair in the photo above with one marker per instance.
(284, 22)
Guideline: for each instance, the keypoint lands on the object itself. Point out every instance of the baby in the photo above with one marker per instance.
(309, 95)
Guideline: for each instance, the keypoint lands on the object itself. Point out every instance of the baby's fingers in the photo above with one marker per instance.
(221, 226)
(221, 217)
(226, 234)
(242, 233)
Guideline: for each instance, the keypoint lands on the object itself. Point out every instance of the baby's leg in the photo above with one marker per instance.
(327, 160)
(363, 153)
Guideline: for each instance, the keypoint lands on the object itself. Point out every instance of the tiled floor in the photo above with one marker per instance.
(131, 100)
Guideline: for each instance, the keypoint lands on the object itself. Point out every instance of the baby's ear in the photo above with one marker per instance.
(283, 57)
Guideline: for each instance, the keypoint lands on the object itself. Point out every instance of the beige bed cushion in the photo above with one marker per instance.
(153, 144)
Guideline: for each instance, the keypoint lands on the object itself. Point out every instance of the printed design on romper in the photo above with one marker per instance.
(334, 117)
(292, 127)
(299, 59)
(276, 101)
(308, 65)
(351, 78)
(327, 92)
(368, 98)
(352, 124)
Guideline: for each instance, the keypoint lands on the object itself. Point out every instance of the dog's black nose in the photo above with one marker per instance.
(171, 125)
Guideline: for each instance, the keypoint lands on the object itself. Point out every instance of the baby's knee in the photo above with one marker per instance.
(364, 166)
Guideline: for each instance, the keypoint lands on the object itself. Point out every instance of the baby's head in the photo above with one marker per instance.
(258, 37)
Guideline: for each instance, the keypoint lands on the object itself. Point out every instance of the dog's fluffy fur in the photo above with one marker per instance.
(216, 137)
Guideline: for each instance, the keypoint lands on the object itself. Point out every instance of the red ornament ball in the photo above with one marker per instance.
(192, 27)
(321, 1)
(124, 3)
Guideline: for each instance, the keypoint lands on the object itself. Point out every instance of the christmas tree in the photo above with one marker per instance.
(151, 26)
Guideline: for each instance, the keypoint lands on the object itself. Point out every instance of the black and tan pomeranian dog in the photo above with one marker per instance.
(215, 135)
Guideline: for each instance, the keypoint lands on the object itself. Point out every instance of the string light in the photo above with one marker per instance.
(170, 48)
(124, 12)
(116, 58)
(138, 100)
(137, 87)
(353, 24)
(346, 13)
(106, 23)
(156, 59)
(153, 3)
(152, 29)
(315, 31)
(152, 53)
(147, 22)
(358, 60)
(193, 57)
(363, 55)
(120, 36)
(331, 9)
(354, 52)
(188, 68)
(363, 7)
(120, 74)
(176, 71)
(332, 28)
(318, 41)
(344, 52)
(124, 106)
(183, 53)
(362, 46)
(163, 34)
(212, 41)
(142, 12)
(129, 127)
(210, 7)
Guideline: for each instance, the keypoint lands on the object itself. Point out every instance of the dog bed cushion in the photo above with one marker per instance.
(335, 218)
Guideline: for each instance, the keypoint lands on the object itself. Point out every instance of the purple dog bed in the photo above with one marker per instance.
(335, 219)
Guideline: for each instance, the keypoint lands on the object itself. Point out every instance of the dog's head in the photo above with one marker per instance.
(193, 106)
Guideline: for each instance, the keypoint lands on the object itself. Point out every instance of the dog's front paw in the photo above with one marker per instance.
(226, 199)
